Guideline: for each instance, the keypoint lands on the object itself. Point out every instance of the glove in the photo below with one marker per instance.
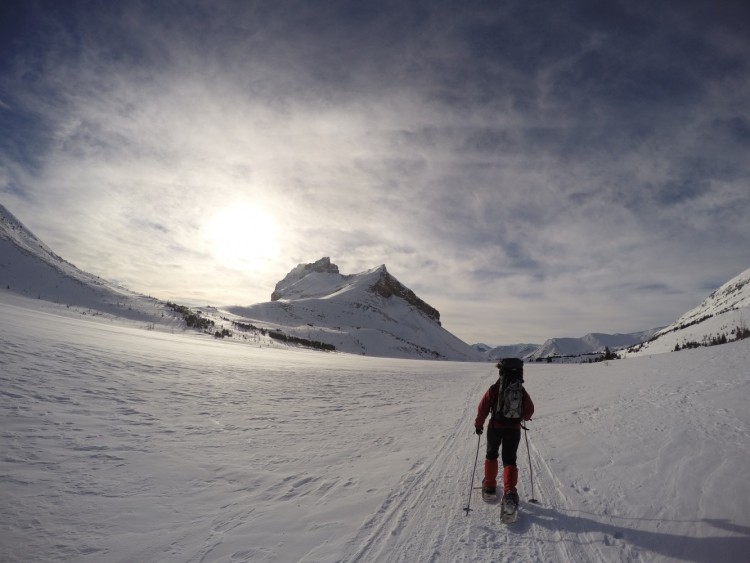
(478, 431)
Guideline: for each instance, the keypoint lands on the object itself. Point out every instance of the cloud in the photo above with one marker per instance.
(528, 171)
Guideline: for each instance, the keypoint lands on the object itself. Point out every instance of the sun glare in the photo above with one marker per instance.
(243, 237)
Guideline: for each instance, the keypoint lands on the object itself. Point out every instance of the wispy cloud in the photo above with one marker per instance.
(529, 171)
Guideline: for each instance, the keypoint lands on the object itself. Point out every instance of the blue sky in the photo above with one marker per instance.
(531, 169)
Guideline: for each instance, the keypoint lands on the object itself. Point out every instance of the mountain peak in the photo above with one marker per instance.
(322, 278)
(369, 312)
(300, 271)
(388, 286)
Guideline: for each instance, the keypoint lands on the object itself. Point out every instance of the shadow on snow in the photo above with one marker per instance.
(696, 549)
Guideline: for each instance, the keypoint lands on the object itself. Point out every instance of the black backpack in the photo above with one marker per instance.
(509, 406)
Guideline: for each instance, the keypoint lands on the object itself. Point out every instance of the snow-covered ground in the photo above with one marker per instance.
(119, 444)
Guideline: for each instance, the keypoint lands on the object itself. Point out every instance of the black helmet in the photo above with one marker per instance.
(511, 366)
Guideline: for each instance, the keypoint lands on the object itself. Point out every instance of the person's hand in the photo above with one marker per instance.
(478, 431)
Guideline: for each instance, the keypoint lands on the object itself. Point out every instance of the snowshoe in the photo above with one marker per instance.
(510, 502)
(509, 508)
(489, 494)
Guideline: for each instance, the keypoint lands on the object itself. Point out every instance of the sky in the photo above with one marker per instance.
(531, 169)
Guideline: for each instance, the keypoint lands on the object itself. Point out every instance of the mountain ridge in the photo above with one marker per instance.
(386, 285)
(591, 344)
(723, 315)
(370, 313)
(30, 268)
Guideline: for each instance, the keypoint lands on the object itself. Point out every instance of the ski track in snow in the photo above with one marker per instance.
(423, 520)
(398, 531)
(420, 520)
(127, 445)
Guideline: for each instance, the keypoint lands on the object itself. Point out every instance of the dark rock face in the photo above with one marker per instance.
(322, 266)
(388, 286)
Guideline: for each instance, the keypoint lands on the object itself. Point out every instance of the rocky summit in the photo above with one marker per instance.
(369, 313)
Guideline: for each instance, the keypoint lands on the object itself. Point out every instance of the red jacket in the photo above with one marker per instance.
(488, 403)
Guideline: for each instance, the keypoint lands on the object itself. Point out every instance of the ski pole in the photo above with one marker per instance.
(471, 488)
(531, 469)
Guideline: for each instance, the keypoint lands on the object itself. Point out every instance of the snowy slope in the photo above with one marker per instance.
(733, 295)
(28, 267)
(721, 313)
(370, 313)
(127, 445)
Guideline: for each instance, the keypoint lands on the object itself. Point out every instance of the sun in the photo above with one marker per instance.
(243, 237)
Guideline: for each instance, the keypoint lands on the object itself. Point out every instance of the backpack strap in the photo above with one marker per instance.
(498, 391)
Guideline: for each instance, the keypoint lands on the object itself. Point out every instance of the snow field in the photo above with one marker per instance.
(118, 444)
(646, 456)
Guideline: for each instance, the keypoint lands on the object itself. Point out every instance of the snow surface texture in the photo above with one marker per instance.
(121, 444)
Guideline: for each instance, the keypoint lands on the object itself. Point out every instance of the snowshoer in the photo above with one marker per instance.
(508, 403)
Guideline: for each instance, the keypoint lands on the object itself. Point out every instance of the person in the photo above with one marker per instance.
(502, 433)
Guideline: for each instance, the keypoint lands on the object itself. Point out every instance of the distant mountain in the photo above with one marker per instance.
(717, 318)
(370, 313)
(28, 267)
(494, 353)
(590, 345)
